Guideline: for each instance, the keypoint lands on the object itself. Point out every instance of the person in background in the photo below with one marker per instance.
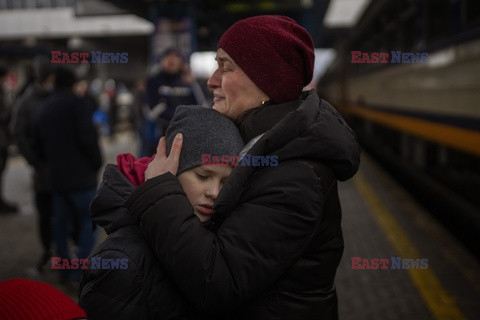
(272, 248)
(141, 289)
(109, 99)
(5, 115)
(165, 91)
(23, 299)
(188, 77)
(81, 90)
(26, 113)
(68, 141)
(139, 109)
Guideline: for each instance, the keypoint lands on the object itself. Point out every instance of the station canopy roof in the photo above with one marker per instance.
(48, 23)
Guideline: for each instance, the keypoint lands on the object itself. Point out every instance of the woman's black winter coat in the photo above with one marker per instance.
(275, 241)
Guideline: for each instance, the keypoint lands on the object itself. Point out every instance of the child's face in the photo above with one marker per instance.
(202, 185)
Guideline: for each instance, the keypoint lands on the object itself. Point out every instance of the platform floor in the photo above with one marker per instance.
(380, 220)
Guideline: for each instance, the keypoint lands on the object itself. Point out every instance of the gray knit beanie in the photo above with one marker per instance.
(205, 131)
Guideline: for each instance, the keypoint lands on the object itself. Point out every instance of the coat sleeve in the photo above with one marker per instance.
(262, 237)
(107, 294)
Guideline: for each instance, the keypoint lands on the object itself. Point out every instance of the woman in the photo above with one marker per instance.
(275, 240)
(138, 287)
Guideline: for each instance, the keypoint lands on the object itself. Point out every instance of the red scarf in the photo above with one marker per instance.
(133, 168)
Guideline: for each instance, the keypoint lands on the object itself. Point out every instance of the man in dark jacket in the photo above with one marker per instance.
(27, 110)
(275, 241)
(69, 143)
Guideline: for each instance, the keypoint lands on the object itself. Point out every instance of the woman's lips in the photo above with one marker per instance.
(217, 98)
(205, 209)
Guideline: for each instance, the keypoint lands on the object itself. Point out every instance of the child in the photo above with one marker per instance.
(132, 284)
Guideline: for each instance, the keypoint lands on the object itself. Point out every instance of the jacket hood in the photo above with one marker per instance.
(107, 209)
(313, 131)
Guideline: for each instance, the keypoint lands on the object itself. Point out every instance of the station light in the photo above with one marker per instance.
(344, 13)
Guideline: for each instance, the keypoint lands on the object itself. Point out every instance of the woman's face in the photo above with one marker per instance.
(202, 185)
(233, 91)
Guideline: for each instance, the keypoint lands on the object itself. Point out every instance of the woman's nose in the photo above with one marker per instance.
(214, 80)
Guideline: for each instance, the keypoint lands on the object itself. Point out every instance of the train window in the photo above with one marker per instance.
(410, 33)
(437, 20)
(411, 28)
(471, 13)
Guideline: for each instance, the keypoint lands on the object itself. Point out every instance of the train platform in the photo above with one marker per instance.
(382, 221)
(399, 261)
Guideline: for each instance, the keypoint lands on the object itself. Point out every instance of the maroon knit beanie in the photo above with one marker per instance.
(274, 51)
(24, 299)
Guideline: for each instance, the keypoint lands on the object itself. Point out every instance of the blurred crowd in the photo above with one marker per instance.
(55, 118)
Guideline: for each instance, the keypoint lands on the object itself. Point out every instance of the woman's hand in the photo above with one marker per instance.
(161, 163)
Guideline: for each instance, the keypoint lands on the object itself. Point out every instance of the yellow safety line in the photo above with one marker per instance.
(458, 138)
(438, 300)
